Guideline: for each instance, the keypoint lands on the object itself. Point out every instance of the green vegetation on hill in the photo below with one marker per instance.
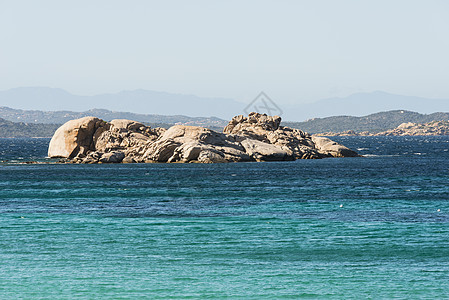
(10, 129)
(60, 117)
(373, 123)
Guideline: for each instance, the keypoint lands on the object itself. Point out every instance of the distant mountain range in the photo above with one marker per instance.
(162, 104)
(41, 105)
(373, 123)
(362, 104)
(137, 101)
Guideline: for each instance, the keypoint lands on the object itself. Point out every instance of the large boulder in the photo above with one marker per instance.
(261, 151)
(75, 137)
(255, 122)
(129, 137)
(190, 143)
(295, 143)
(112, 157)
(331, 148)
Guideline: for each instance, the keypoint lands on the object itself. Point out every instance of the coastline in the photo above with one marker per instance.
(434, 128)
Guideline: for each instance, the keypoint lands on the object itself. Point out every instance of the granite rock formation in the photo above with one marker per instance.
(433, 128)
(257, 137)
(76, 137)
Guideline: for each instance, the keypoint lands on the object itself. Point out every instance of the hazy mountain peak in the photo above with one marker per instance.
(143, 101)
(135, 101)
(38, 90)
(360, 104)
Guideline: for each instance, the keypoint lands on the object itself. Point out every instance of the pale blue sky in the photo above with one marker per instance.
(296, 51)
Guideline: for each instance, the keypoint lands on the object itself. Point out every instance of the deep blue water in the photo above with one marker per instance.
(372, 227)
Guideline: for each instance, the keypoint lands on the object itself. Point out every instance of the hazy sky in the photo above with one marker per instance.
(295, 51)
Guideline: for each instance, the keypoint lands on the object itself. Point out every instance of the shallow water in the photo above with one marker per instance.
(334, 228)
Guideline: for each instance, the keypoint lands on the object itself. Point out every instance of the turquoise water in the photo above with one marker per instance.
(373, 227)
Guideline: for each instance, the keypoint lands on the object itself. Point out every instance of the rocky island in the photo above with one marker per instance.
(405, 129)
(257, 137)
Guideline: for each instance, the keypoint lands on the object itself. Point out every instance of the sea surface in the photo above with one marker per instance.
(373, 227)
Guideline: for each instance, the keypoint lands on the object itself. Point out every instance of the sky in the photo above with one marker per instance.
(296, 51)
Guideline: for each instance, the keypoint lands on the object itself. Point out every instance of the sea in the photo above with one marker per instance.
(373, 227)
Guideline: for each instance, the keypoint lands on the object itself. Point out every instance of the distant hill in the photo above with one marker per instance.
(158, 104)
(374, 123)
(36, 123)
(135, 101)
(10, 129)
(362, 104)
(60, 117)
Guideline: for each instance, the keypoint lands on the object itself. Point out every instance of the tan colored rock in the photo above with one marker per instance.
(112, 157)
(267, 129)
(261, 151)
(127, 124)
(128, 160)
(255, 122)
(413, 129)
(185, 143)
(209, 156)
(75, 136)
(257, 137)
(406, 125)
(331, 148)
(433, 128)
(129, 137)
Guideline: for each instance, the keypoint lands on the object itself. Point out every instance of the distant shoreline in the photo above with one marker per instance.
(435, 128)
(382, 123)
